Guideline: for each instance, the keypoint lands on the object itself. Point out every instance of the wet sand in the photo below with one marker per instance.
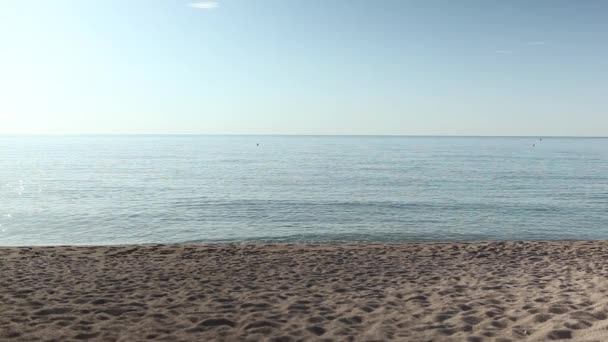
(509, 291)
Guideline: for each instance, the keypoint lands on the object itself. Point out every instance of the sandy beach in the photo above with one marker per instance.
(498, 291)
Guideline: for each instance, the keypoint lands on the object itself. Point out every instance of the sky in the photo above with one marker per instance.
(383, 67)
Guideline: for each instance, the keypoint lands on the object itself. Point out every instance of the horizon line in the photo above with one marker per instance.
(309, 135)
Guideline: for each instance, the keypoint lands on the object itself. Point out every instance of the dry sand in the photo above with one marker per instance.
(405, 292)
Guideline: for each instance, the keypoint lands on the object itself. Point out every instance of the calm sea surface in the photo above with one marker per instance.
(147, 189)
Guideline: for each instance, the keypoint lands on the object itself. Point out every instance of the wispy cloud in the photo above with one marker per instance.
(506, 52)
(536, 43)
(206, 5)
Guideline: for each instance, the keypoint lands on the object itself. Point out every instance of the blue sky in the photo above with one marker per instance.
(304, 67)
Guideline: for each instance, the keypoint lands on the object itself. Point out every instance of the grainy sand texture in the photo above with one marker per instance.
(497, 291)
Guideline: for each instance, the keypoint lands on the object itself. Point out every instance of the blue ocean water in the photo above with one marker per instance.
(149, 189)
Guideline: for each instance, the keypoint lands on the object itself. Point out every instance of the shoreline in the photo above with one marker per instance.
(408, 291)
(312, 243)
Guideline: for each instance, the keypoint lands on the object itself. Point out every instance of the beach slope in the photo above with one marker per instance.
(495, 291)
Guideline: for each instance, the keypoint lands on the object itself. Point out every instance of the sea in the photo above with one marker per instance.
(128, 189)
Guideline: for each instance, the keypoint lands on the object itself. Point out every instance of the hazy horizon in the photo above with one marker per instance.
(307, 135)
(288, 67)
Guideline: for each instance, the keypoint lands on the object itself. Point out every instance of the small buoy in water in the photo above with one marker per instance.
(258, 144)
